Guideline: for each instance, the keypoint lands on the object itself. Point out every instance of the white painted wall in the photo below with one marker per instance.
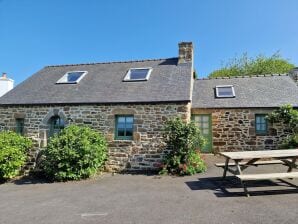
(6, 84)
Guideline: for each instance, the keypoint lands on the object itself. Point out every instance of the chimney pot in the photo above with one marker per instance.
(4, 75)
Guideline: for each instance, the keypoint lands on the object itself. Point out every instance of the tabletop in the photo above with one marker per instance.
(284, 153)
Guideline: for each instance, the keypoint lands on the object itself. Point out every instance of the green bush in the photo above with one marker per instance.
(13, 153)
(285, 114)
(184, 139)
(291, 142)
(288, 116)
(195, 164)
(75, 153)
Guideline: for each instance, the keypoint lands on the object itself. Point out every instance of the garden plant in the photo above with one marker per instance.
(74, 153)
(14, 150)
(288, 116)
(184, 140)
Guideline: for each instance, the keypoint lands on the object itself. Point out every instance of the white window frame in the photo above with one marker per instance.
(63, 79)
(127, 76)
(224, 86)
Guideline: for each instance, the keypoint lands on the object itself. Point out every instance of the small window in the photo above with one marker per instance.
(261, 124)
(226, 91)
(72, 77)
(56, 125)
(124, 127)
(20, 126)
(138, 74)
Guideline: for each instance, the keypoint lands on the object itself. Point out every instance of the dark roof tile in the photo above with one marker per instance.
(255, 91)
(104, 84)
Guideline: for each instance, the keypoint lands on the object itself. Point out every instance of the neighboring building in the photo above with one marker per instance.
(6, 84)
(130, 101)
(232, 111)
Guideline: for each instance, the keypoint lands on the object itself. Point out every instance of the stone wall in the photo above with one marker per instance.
(146, 149)
(234, 130)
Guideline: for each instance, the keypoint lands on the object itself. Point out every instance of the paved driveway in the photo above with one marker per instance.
(149, 199)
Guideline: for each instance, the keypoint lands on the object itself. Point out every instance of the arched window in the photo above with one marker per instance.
(55, 124)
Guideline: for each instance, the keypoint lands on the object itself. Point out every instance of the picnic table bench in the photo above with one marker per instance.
(256, 163)
(244, 159)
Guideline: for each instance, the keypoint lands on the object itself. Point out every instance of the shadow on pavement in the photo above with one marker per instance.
(30, 180)
(231, 187)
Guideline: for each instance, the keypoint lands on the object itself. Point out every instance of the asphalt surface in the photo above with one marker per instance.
(129, 199)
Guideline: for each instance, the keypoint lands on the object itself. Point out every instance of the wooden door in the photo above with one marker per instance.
(204, 122)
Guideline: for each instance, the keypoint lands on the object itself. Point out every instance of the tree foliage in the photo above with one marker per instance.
(247, 66)
(287, 115)
(184, 139)
(75, 153)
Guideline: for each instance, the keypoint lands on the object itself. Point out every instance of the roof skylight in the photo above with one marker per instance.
(225, 91)
(72, 77)
(138, 74)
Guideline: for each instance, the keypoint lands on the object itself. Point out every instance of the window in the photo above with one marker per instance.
(72, 77)
(138, 74)
(124, 127)
(20, 126)
(226, 91)
(261, 124)
(56, 124)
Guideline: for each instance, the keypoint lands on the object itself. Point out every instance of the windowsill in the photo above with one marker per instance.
(123, 140)
(60, 83)
(261, 134)
(135, 80)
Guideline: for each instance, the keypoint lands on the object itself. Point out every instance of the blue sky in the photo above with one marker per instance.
(35, 33)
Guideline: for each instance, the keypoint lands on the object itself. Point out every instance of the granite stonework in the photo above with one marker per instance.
(145, 151)
(234, 130)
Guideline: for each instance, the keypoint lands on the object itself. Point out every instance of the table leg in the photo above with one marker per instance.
(238, 166)
(245, 188)
(292, 164)
(238, 169)
(226, 168)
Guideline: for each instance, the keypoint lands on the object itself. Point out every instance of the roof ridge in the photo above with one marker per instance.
(244, 76)
(112, 62)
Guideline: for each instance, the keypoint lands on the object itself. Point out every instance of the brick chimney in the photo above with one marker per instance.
(185, 52)
(294, 74)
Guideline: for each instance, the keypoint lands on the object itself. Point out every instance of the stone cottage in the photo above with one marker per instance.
(130, 101)
(231, 111)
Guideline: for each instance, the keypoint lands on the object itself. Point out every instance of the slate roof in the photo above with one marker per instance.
(261, 91)
(104, 84)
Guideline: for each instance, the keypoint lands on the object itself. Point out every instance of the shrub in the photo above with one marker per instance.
(75, 153)
(184, 139)
(13, 153)
(289, 117)
(291, 142)
(285, 114)
(195, 164)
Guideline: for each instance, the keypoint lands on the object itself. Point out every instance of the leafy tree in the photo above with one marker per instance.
(184, 139)
(260, 65)
(289, 117)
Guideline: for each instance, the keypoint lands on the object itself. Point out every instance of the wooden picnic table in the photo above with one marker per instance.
(244, 159)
